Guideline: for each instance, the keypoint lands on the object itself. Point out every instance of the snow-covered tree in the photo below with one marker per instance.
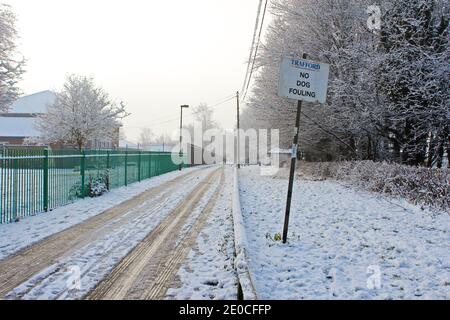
(388, 90)
(415, 74)
(11, 66)
(82, 112)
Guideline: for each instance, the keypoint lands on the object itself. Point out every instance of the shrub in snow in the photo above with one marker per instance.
(425, 186)
(75, 191)
(95, 187)
(99, 185)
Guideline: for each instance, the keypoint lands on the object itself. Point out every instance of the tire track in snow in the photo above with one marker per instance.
(148, 271)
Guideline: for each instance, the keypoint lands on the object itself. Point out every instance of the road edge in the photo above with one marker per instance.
(246, 287)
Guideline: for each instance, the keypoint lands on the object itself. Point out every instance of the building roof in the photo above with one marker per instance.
(34, 103)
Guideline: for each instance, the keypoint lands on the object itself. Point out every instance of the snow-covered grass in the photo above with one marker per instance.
(16, 236)
(208, 272)
(343, 243)
(426, 186)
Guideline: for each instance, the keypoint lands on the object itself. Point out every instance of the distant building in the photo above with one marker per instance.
(157, 147)
(160, 147)
(125, 144)
(19, 123)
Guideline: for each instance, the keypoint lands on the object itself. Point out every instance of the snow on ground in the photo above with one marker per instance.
(16, 236)
(88, 265)
(208, 271)
(343, 243)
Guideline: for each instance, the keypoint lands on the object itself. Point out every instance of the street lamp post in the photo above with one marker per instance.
(181, 133)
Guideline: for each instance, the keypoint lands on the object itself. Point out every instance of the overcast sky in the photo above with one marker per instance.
(154, 55)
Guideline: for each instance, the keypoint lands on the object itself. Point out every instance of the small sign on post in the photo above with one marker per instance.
(302, 80)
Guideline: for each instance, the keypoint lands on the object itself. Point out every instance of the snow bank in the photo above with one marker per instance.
(425, 186)
(240, 242)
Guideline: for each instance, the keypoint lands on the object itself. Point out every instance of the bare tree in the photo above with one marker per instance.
(164, 139)
(204, 114)
(146, 137)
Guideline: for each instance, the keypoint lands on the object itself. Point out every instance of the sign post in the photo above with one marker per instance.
(301, 80)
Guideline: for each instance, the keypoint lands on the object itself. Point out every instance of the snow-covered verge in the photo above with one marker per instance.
(26, 232)
(208, 273)
(425, 186)
(343, 243)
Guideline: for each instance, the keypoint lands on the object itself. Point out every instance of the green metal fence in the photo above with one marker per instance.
(34, 180)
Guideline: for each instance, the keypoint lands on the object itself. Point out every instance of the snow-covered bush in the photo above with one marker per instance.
(95, 187)
(425, 186)
(98, 185)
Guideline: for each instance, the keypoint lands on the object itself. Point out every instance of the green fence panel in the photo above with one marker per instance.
(37, 179)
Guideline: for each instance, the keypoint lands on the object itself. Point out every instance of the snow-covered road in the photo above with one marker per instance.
(343, 243)
(69, 264)
(208, 272)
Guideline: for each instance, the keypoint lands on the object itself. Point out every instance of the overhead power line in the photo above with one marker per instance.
(177, 118)
(252, 47)
(171, 116)
(256, 51)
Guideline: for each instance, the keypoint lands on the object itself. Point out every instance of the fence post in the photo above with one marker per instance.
(108, 167)
(15, 190)
(150, 164)
(139, 165)
(83, 173)
(126, 167)
(46, 161)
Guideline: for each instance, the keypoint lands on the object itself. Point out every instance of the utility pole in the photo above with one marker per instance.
(238, 134)
(181, 133)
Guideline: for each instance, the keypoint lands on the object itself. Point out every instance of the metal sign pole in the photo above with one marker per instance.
(292, 172)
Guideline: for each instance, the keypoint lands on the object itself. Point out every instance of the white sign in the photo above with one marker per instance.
(304, 80)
